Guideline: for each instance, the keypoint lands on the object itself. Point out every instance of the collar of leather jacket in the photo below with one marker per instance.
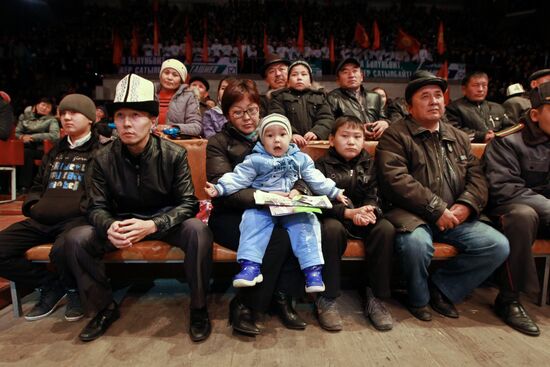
(350, 93)
(416, 129)
(146, 151)
(532, 135)
(334, 158)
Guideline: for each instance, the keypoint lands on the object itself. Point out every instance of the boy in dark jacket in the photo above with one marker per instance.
(353, 169)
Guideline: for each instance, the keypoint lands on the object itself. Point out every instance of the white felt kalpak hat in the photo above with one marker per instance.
(136, 93)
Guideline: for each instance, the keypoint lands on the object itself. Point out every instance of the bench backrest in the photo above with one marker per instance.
(196, 155)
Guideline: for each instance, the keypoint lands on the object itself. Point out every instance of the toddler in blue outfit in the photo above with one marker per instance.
(274, 166)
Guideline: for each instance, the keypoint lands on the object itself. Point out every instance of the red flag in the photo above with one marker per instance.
(407, 42)
(117, 49)
(188, 48)
(241, 53)
(205, 42)
(134, 44)
(156, 37)
(331, 52)
(443, 72)
(375, 36)
(361, 36)
(266, 42)
(441, 40)
(300, 41)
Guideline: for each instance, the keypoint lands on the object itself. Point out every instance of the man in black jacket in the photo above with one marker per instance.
(56, 203)
(518, 170)
(275, 74)
(140, 188)
(352, 99)
(473, 114)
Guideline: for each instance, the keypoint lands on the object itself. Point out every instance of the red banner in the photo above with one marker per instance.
(205, 41)
(375, 36)
(361, 36)
(407, 42)
(441, 40)
(444, 73)
(300, 41)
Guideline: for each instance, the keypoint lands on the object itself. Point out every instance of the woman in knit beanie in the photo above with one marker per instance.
(178, 107)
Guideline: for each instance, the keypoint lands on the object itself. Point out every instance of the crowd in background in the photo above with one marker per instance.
(69, 48)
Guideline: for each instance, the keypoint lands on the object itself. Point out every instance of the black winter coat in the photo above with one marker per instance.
(155, 185)
(307, 110)
(343, 102)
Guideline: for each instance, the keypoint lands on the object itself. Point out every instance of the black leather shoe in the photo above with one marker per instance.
(288, 315)
(514, 315)
(441, 304)
(240, 317)
(100, 323)
(422, 313)
(199, 324)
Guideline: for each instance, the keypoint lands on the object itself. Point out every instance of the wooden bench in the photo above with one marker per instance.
(161, 252)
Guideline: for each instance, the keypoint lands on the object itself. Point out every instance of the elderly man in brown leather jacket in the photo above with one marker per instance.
(140, 188)
(518, 172)
(352, 99)
(436, 190)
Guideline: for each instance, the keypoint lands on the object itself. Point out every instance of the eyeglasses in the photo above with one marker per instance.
(251, 111)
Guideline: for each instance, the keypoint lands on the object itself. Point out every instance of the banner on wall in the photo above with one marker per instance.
(404, 70)
(151, 65)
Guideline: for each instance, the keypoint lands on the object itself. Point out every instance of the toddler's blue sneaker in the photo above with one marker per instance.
(314, 279)
(249, 275)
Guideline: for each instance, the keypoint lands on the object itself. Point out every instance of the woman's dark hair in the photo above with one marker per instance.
(350, 121)
(45, 100)
(236, 90)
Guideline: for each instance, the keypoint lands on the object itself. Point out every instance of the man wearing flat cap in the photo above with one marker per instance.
(140, 189)
(353, 99)
(275, 74)
(436, 190)
(56, 203)
(518, 171)
(539, 77)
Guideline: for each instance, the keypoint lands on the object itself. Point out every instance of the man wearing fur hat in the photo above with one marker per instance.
(140, 188)
(354, 100)
(56, 203)
(436, 190)
(517, 169)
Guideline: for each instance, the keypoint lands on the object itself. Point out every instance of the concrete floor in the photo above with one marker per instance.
(153, 332)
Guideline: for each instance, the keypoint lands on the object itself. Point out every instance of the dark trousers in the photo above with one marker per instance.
(27, 171)
(379, 242)
(19, 237)
(84, 251)
(520, 223)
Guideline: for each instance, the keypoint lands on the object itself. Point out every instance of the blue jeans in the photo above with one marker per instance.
(481, 249)
(303, 229)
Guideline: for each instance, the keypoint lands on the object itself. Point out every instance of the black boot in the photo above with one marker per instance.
(286, 312)
(199, 324)
(241, 318)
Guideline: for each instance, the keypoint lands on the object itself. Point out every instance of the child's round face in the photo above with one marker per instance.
(348, 141)
(299, 78)
(276, 140)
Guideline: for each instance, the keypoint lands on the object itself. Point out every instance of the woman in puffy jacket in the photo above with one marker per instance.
(178, 106)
